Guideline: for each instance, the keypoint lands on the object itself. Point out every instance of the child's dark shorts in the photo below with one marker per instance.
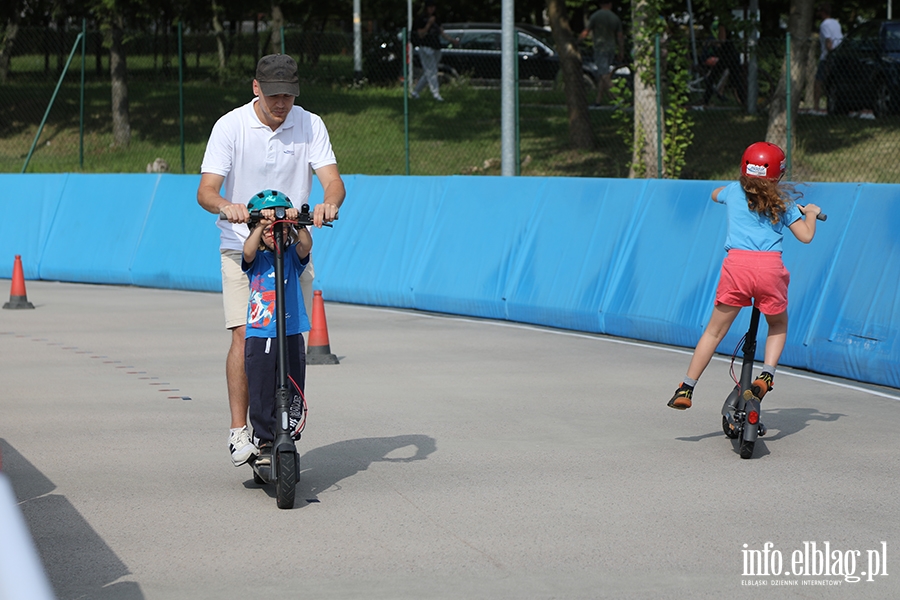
(748, 275)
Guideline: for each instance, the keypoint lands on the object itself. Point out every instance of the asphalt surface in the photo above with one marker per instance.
(444, 458)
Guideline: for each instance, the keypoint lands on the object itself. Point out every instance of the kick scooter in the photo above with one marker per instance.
(283, 469)
(741, 411)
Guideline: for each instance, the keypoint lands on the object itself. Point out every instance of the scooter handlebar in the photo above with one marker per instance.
(821, 216)
(304, 218)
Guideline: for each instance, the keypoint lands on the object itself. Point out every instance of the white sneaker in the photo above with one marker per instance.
(438, 98)
(414, 95)
(240, 446)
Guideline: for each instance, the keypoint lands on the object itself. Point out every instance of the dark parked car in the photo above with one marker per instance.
(478, 55)
(863, 72)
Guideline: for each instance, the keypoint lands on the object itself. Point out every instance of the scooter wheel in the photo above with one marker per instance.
(286, 485)
(746, 448)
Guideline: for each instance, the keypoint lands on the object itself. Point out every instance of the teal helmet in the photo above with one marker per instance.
(268, 199)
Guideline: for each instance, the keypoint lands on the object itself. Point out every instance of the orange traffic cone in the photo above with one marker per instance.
(318, 350)
(17, 296)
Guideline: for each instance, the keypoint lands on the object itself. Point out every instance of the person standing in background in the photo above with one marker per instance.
(609, 45)
(428, 34)
(830, 37)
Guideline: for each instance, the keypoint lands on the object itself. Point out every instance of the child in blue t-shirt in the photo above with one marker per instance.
(260, 351)
(759, 208)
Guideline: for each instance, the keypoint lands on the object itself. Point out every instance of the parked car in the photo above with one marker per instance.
(863, 72)
(478, 55)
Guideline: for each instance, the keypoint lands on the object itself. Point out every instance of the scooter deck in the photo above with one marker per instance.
(262, 470)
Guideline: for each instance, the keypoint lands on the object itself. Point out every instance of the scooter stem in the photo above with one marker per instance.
(282, 395)
(749, 350)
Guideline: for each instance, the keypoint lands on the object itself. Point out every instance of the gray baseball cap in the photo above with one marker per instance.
(277, 74)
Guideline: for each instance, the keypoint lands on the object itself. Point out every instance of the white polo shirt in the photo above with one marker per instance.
(830, 29)
(253, 158)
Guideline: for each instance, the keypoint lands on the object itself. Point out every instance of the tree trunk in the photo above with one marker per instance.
(219, 32)
(812, 63)
(581, 133)
(645, 158)
(799, 24)
(121, 123)
(6, 45)
(277, 24)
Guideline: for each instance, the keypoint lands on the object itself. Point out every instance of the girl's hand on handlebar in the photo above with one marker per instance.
(235, 213)
(810, 210)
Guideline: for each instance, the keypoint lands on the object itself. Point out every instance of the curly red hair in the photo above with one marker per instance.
(768, 197)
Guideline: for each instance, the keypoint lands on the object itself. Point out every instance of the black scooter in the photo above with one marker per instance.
(741, 411)
(284, 468)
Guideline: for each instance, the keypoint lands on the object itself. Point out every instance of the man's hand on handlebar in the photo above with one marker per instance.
(324, 213)
(235, 213)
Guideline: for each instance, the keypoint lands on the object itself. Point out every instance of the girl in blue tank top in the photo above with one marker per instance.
(759, 208)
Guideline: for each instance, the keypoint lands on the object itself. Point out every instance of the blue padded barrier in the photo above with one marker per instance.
(568, 261)
(30, 204)
(632, 258)
(97, 228)
(637, 259)
(179, 241)
(370, 256)
(468, 251)
(854, 329)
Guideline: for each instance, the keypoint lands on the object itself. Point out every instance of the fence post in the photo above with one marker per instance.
(406, 73)
(659, 111)
(181, 93)
(787, 83)
(516, 108)
(81, 101)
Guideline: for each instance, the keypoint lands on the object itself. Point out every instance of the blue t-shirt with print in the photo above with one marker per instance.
(261, 314)
(749, 230)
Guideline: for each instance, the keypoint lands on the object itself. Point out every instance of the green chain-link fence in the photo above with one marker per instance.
(367, 122)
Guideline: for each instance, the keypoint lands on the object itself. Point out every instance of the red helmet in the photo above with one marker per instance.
(763, 159)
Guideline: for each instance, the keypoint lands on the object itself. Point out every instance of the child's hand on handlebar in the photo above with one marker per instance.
(810, 210)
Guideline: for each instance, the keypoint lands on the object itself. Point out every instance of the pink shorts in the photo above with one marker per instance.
(748, 275)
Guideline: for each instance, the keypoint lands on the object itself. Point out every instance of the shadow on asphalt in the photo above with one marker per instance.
(786, 421)
(323, 468)
(78, 563)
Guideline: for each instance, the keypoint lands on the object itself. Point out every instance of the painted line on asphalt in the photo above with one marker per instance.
(602, 338)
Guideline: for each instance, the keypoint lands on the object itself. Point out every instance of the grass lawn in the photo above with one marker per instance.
(459, 136)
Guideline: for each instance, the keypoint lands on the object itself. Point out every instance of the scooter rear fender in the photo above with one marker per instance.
(751, 431)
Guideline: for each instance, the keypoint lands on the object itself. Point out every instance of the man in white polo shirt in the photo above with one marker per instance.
(268, 143)
(830, 37)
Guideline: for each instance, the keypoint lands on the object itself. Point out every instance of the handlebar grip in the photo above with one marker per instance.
(822, 217)
(304, 219)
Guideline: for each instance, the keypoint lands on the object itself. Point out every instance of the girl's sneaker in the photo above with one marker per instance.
(761, 385)
(241, 447)
(682, 398)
